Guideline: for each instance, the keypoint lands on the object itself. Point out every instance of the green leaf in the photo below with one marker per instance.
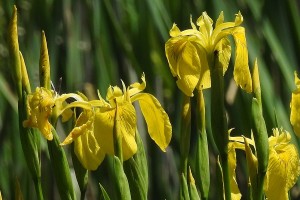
(60, 168)
(137, 184)
(80, 172)
(184, 191)
(121, 186)
(103, 193)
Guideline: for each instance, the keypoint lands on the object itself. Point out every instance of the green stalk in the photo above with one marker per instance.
(260, 135)
(219, 120)
(81, 174)
(30, 139)
(185, 135)
(202, 155)
(60, 168)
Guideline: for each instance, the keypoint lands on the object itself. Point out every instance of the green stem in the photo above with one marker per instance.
(38, 189)
(226, 177)
(185, 135)
(117, 137)
(60, 168)
(218, 119)
(202, 154)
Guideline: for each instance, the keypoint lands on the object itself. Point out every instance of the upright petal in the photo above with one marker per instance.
(137, 87)
(104, 123)
(127, 124)
(205, 23)
(175, 31)
(159, 126)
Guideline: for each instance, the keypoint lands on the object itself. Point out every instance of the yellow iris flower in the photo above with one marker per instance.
(295, 107)
(93, 132)
(191, 52)
(283, 168)
(44, 103)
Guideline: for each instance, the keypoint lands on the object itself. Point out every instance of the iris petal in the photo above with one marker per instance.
(88, 151)
(189, 69)
(241, 71)
(84, 125)
(295, 107)
(127, 124)
(104, 123)
(283, 169)
(159, 126)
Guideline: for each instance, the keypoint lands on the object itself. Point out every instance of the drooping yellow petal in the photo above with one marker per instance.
(283, 169)
(84, 125)
(295, 107)
(235, 192)
(88, 151)
(252, 165)
(241, 71)
(188, 69)
(223, 49)
(204, 77)
(159, 126)
(104, 124)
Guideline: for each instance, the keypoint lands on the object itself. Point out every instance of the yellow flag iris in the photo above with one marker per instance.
(94, 130)
(191, 52)
(295, 107)
(283, 169)
(44, 103)
(284, 164)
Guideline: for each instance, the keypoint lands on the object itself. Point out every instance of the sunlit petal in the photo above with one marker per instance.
(84, 125)
(88, 151)
(127, 125)
(283, 169)
(159, 126)
(223, 49)
(104, 123)
(137, 87)
(189, 69)
(175, 31)
(235, 192)
(241, 71)
(40, 105)
(295, 107)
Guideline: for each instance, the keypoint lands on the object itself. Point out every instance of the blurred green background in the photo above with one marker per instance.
(93, 44)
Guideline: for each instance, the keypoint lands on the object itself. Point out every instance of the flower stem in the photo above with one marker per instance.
(117, 136)
(219, 120)
(38, 189)
(185, 135)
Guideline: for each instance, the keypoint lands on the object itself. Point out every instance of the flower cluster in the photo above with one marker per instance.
(94, 129)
